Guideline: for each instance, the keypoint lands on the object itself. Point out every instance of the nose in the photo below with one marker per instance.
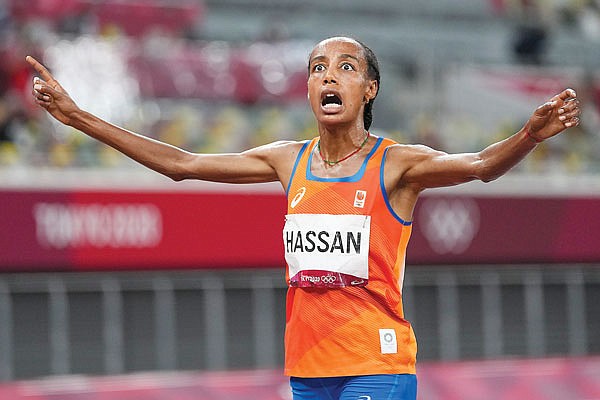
(329, 78)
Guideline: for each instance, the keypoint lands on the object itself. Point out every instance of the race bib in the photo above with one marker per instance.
(324, 250)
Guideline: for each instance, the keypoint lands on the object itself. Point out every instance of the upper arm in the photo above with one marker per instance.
(267, 163)
(423, 167)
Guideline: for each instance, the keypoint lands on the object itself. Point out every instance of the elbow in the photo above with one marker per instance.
(489, 178)
(176, 178)
(488, 175)
(174, 174)
(178, 170)
(491, 174)
(486, 172)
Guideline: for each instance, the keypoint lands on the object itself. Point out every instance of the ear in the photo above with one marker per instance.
(371, 92)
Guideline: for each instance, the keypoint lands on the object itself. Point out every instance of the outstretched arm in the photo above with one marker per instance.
(257, 165)
(429, 168)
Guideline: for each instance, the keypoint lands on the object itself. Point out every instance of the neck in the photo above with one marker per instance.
(336, 142)
(341, 148)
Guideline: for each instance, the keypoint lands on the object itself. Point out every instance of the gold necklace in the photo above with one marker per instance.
(332, 163)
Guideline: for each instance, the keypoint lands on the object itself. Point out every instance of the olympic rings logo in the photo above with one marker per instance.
(329, 279)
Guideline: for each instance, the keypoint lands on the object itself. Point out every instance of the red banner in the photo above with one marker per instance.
(460, 229)
(122, 230)
(89, 230)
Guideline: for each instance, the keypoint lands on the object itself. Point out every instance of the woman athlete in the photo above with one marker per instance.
(351, 197)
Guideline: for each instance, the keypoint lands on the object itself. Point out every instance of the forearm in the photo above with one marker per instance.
(498, 158)
(159, 156)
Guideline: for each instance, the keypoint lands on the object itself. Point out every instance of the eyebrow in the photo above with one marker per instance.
(344, 55)
(316, 58)
(349, 56)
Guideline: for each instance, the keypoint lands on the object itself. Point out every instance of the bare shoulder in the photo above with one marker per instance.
(403, 163)
(279, 151)
(280, 156)
(410, 154)
(288, 145)
(287, 152)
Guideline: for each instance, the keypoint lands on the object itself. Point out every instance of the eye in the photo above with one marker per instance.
(319, 68)
(347, 67)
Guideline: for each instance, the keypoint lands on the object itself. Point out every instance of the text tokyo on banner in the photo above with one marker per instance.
(122, 230)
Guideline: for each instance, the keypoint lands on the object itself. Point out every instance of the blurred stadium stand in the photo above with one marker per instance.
(225, 75)
(231, 74)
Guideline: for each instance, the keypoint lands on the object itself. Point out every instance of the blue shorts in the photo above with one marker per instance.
(368, 387)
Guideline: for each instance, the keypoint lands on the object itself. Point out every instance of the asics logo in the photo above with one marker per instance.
(364, 398)
(299, 195)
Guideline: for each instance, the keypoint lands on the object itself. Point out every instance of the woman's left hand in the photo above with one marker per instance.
(554, 116)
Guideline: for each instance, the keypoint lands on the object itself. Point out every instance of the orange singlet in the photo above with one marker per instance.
(345, 249)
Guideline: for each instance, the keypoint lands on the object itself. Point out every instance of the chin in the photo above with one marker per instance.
(323, 115)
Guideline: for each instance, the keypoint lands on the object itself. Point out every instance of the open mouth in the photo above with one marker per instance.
(331, 101)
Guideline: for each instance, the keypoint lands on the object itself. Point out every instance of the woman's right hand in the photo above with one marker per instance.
(48, 94)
